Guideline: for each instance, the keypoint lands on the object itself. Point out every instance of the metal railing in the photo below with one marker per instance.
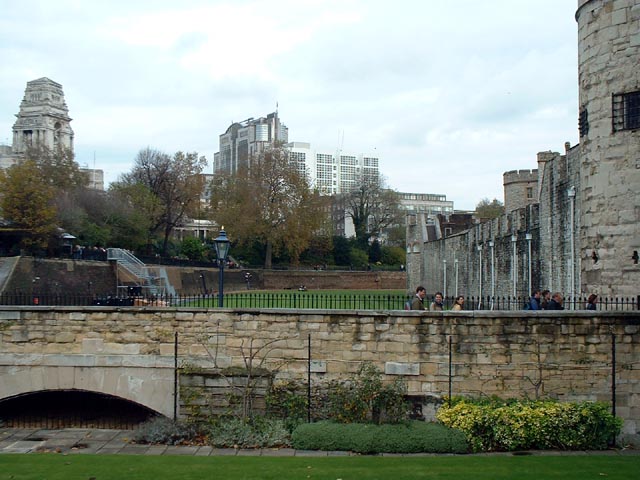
(300, 300)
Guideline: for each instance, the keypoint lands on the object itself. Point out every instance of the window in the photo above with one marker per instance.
(583, 122)
(529, 192)
(626, 111)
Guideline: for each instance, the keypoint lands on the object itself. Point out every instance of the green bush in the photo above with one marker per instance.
(409, 437)
(257, 432)
(542, 424)
(163, 430)
(287, 400)
(365, 398)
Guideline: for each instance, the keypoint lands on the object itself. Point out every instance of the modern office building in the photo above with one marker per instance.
(243, 140)
(333, 172)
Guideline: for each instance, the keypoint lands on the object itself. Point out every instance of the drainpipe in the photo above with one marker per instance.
(571, 192)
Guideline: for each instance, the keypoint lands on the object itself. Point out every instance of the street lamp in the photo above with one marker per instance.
(222, 250)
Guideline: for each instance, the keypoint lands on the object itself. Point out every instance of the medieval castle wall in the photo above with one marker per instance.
(585, 230)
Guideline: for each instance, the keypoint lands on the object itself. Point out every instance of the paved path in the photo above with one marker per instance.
(102, 441)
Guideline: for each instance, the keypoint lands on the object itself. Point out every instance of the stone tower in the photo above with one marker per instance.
(43, 118)
(520, 189)
(609, 119)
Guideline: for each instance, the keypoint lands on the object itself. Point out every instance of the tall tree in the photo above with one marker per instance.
(372, 207)
(486, 210)
(58, 167)
(175, 186)
(27, 200)
(271, 202)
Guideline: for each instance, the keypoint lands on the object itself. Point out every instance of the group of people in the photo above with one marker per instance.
(438, 302)
(540, 300)
(545, 300)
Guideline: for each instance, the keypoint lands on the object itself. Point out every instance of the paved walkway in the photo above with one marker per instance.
(102, 441)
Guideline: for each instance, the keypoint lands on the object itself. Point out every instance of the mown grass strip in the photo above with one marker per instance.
(491, 467)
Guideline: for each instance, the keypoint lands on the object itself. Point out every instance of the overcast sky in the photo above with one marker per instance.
(448, 94)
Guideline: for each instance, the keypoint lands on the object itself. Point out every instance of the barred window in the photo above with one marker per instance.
(626, 111)
(583, 122)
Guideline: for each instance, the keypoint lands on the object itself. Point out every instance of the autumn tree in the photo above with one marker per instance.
(167, 188)
(372, 207)
(27, 200)
(487, 210)
(271, 202)
(57, 167)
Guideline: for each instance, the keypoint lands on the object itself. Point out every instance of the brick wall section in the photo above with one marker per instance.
(498, 353)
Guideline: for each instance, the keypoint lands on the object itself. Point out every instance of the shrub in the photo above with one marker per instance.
(542, 424)
(257, 432)
(286, 400)
(365, 398)
(409, 437)
(163, 430)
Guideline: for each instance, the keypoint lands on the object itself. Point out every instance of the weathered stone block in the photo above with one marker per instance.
(396, 368)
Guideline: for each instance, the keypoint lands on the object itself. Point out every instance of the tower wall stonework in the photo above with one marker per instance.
(609, 54)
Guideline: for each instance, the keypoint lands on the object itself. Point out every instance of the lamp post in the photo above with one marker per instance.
(493, 275)
(514, 265)
(529, 237)
(222, 250)
(571, 192)
(444, 281)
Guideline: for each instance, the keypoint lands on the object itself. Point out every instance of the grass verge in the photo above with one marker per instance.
(494, 467)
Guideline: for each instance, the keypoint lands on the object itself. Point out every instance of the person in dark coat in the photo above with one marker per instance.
(418, 300)
(591, 301)
(556, 302)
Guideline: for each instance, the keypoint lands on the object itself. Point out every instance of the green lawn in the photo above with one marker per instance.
(493, 467)
(321, 299)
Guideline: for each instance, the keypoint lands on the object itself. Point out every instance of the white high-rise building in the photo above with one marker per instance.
(333, 172)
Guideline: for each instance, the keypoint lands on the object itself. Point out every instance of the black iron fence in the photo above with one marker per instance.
(347, 300)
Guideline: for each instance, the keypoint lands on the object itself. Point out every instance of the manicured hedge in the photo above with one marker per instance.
(524, 425)
(410, 437)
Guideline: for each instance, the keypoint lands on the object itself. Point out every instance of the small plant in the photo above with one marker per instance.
(163, 430)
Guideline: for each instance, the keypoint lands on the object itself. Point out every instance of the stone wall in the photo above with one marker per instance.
(61, 277)
(483, 261)
(567, 354)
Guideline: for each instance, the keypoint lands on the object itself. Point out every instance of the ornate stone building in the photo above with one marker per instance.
(43, 119)
(581, 232)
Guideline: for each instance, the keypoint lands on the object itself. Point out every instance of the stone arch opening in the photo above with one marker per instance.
(72, 409)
